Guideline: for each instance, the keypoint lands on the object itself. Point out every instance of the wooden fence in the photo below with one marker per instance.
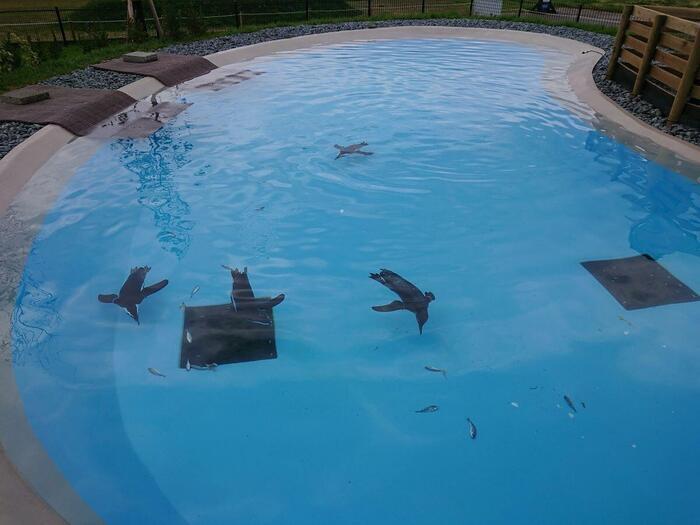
(658, 50)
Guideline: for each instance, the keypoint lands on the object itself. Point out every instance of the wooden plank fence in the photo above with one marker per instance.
(660, 45)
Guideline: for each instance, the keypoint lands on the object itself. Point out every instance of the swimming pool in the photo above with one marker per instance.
(483, 189)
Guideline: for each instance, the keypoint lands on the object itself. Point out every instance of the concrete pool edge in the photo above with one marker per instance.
(144, 87)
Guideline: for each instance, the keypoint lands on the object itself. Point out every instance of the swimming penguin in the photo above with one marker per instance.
(133, 291)
(412, 299)
(242, 297)
(352, 148)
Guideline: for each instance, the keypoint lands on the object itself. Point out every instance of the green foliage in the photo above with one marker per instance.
(170, 19)
(192, 17)
(97, 37)
(17, 51)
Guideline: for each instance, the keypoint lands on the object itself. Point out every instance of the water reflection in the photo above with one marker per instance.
(154, 161)
(34, 321)
(672, 214)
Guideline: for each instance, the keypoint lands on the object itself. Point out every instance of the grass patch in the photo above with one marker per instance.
(75, 57)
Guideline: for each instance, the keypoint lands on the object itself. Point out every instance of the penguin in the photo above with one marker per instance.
(242, 297)
(352, 148)
(412, 299)
(133, 292)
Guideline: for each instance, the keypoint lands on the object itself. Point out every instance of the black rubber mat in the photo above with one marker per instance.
(640, 282)
(220, 335)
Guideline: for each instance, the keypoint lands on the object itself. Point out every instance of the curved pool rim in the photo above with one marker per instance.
(25, 468)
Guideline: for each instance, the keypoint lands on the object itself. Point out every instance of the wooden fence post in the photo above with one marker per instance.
(307, 9)
(60, 24)
(520, 8)
(649, 52)
(687, 81)
(578, 13)
(369, 8)
(619, 39)
(156, 20)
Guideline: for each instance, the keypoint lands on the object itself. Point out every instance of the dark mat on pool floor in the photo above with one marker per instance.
(222, 335)
(640, 282)
(77, 110)
(169, 69)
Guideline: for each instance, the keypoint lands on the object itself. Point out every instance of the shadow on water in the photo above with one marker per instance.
(154, 161)
(671, 203)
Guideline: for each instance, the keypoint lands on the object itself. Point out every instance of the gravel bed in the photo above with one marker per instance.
(91, 77)
(12, 134)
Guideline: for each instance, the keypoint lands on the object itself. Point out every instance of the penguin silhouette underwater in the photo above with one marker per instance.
(242, 297)
(133, 292)
(412, 299)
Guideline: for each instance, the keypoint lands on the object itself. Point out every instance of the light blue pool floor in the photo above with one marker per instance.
(482, 190)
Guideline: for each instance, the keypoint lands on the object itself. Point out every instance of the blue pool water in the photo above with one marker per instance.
(482, 189)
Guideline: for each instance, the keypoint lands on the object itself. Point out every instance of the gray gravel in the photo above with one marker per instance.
(12, 133)
(90, 77)
(94, 78)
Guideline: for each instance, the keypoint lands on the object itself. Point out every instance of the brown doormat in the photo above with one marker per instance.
(168, 69)
(77, 110)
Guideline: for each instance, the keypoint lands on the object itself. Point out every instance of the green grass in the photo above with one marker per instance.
(40, 4)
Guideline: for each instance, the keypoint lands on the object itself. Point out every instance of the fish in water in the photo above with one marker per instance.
(352, 149)
(583, 404)
(194, 291)
(412, 299)
(428, 409)
(132, 292)
(156, 372)
(472, 429)
(188, 366)
(261, 208)
(570, 403)
(188, 336)
(183, 306)
(436, 369)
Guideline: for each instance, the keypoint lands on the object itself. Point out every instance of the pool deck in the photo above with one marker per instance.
(32, 489)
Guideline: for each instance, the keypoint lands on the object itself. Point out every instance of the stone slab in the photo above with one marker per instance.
(140, 57)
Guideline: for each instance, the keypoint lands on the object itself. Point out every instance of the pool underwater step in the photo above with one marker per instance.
(640, 282)
(221, 335)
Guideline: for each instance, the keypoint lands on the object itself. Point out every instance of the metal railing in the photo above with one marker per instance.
(66, 25)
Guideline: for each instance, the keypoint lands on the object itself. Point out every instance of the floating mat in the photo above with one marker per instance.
(168, 69)
(222, 335)
(640, 282)
(77, 110)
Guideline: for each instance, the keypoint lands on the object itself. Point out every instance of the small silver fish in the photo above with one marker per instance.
(583, 404)
(188, 336)
(435, 369)
(183, 306)
(194, 291)
(261, 208)
(570, 403)
(155, 372)
(428, 409)
(188, 366)
(472, 429)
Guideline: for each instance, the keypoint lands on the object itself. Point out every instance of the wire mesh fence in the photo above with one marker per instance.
(108, 20)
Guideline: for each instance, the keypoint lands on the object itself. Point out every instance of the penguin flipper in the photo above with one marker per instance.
(150, 290)
(107, 298)
(393, 306)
